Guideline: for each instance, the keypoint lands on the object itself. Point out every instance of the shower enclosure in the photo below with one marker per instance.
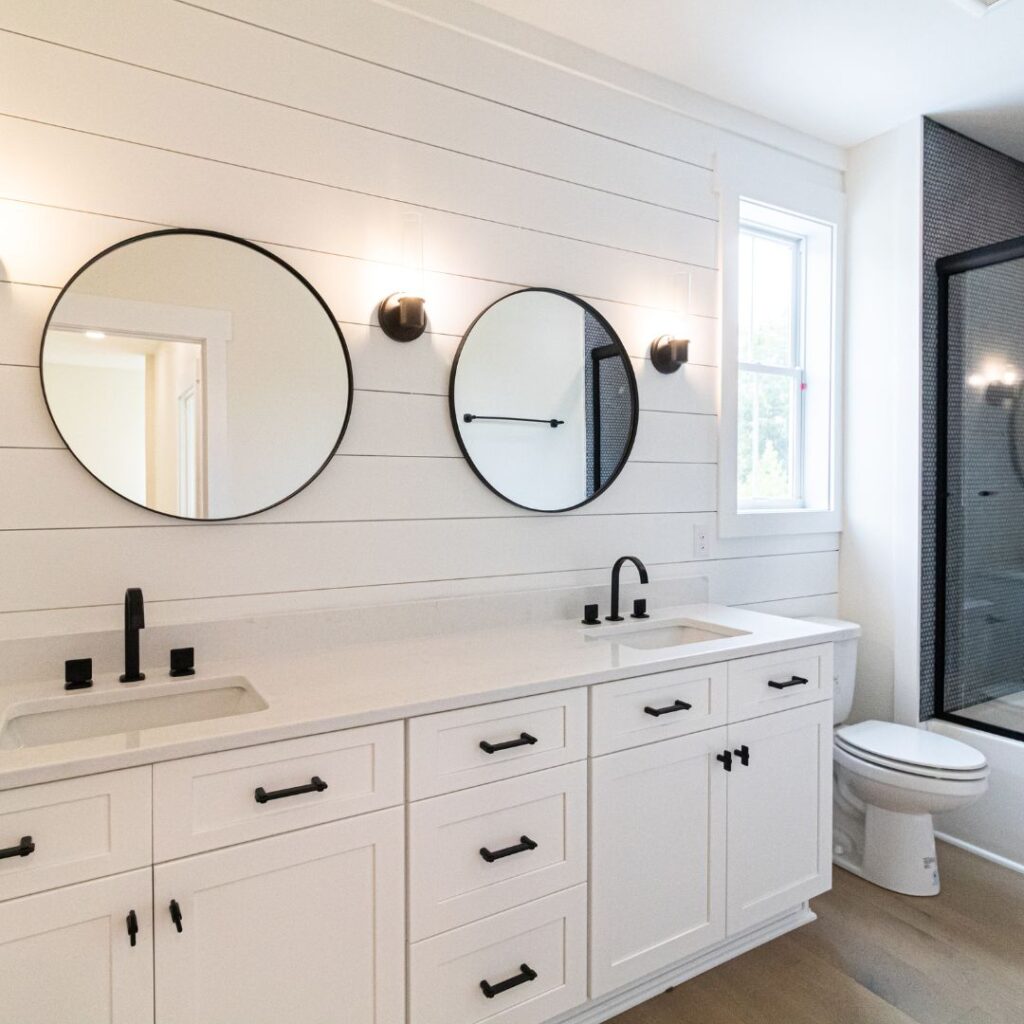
(979, 653)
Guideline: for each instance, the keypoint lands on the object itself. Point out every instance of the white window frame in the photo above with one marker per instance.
(779, 201)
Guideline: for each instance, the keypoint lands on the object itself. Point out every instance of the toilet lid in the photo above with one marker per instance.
(901, 744)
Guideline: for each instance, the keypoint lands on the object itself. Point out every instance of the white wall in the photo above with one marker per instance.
(312, 128)
(879, 566)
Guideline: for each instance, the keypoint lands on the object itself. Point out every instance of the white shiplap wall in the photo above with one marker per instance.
(311, 127)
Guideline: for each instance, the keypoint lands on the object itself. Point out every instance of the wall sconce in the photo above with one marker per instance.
(402, 317)
(668, 353)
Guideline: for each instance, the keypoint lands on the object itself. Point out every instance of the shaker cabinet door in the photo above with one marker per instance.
(307, 926)
(780, 813)
(658, 821)
(67, 955)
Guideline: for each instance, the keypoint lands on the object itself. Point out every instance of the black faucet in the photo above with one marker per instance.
(616, 569)
(134, 620)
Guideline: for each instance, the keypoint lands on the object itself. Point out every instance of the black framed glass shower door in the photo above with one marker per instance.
(979, 636)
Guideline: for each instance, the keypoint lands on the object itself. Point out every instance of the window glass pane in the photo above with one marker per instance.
(765, 437)
(766, 312)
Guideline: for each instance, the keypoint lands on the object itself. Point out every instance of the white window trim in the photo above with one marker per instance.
(814, 203)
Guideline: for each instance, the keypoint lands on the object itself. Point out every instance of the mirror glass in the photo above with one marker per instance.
(543, 399)
(196, 374)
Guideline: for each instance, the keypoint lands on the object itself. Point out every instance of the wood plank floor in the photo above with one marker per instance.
(874, 957)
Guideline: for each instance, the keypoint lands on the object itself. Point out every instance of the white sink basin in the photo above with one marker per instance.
(109, 712)
(656, 635)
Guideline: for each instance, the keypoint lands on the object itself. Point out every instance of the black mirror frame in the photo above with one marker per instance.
(263, 252)
(633, 391)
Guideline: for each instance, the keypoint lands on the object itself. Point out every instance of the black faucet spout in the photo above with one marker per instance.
(134, 620)
(616, 569)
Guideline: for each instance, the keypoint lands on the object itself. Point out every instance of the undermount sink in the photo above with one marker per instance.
(656, 635)
(109, 712)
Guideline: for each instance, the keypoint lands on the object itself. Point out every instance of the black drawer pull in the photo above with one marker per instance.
(23, 849)
(525, 740)
(726, 758)
(525, 843)
(526, 973)
(743, 754)
(316, 785)
(132, 923)
(175, 914)
(679, 705)
(795, 681)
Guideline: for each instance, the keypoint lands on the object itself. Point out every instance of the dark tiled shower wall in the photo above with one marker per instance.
(615, 412)
(973, 196)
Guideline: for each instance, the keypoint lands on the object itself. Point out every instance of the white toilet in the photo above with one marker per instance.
(889, 781)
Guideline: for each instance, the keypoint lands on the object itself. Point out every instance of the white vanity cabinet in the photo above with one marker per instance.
(658, 857)
(295, 911)
(66, 955)
(548, 859)
(503, 856)
(698, 839)
(307, 926)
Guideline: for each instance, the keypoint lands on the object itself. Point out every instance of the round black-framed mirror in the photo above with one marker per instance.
(543, 400)
(196, 374)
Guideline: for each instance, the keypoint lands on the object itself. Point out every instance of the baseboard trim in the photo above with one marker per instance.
(979, 851)
(598, 1010)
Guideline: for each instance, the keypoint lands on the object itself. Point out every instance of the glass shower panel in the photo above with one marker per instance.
(983, 657)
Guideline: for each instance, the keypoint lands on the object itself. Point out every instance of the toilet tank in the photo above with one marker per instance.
(845, 665)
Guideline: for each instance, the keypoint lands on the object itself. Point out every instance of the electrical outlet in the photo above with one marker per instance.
(701, 542)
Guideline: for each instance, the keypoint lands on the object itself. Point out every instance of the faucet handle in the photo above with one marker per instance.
(591, 615)
(183, 660)
(640, 609)
(78, 673)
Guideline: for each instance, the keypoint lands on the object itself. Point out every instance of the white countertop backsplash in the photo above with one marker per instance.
(329, 670)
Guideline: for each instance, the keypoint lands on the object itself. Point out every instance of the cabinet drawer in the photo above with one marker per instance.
(622, 714)
(231, 797)
(76, 829)
(542, 946)
(774, 682)
(488, 849)
(469, 747)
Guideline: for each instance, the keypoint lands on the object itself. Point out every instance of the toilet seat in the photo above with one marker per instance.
(909, 751)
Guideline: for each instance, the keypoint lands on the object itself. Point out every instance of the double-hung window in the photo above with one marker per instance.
(770, 405)
(778, 465)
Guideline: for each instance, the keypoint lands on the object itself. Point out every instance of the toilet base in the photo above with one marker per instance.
(899, 853)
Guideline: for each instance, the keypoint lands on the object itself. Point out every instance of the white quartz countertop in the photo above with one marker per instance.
(364, 683)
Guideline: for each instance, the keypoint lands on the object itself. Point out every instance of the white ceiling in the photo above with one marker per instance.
(840, 70)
